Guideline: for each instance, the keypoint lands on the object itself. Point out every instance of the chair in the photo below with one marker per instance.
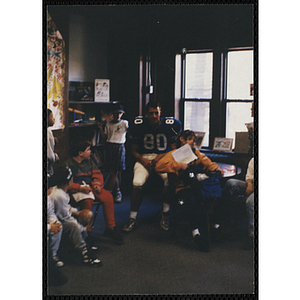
(180, 224)
(97, 203)
(180, 221)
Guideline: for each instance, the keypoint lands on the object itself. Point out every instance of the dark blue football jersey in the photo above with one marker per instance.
(154, 139)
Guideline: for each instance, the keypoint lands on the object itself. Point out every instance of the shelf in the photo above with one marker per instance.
(90, 102)
(81, 126)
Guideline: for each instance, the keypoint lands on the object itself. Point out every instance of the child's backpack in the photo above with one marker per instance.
(210, 187)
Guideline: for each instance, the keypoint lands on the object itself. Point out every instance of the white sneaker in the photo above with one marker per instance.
(118, 197)
(57, 261)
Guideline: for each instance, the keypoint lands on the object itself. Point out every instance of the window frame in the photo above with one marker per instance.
(218, 101)
(225, 100)
(184, 52)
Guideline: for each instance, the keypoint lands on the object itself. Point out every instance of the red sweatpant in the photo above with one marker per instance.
(106, 199)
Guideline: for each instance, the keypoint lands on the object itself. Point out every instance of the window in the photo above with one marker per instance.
(215, 91)
(237, 114)
(198, 92)
(239, 96)
(196, 118)
(198, 75)
(240, 74)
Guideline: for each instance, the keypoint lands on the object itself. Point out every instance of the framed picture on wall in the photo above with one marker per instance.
(222, 144)
(199, 139)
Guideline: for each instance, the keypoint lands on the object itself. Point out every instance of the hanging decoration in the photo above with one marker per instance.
(55, 72)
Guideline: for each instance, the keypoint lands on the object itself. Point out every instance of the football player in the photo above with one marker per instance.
(151, 138)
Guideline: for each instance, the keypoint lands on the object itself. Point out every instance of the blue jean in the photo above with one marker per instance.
(250, 210)
(234, 188)
(74, 232)
(54, 241)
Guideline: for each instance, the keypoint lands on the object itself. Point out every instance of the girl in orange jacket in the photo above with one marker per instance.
(184, 192)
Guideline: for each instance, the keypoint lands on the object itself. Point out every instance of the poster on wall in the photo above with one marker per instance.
(55, 73)
(101, 90)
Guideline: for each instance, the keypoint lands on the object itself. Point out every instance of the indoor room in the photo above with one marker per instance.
(158, 102)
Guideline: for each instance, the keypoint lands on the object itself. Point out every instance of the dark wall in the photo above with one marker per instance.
(119, 35)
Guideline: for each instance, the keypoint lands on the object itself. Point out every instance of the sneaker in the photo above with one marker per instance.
(91, 243)
(113, 234)
(201, 243)
(165, 220)
(89, 258)
(57, 261)
(118, 197)
(131, 224)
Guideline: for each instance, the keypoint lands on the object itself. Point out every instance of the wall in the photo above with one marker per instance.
(87, 49)
(107, 41)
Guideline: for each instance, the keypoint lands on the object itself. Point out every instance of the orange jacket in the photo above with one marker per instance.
(168, 164)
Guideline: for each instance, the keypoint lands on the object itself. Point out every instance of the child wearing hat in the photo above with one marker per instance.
(115, 134)
(65, 213)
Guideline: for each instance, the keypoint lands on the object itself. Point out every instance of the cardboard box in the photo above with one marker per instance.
(242, 142)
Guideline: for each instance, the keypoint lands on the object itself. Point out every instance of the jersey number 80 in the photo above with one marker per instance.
(161, 141)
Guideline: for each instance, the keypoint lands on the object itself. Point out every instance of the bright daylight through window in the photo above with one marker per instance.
(198, 80)
(231, 107)
(239, 81)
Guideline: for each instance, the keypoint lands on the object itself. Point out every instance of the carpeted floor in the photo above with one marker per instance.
(152, 261)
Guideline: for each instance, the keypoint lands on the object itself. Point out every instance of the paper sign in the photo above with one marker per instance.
(101, 90)
(184, 154)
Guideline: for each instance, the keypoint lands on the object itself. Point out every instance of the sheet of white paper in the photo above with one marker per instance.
(184, 154)
(80, 196)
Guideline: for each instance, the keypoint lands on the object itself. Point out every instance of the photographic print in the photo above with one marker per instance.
(222, 144)
(130, 85)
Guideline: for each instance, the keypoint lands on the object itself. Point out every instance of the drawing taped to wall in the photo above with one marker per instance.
(101, 90)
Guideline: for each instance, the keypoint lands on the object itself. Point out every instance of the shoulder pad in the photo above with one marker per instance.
(169, 120)
(138, 120)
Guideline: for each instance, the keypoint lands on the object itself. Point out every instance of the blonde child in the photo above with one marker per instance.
(54, 233)
(66, 215)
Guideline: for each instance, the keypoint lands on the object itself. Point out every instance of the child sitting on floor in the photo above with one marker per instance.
(63, 177)
(190, 197)
(88, 185)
